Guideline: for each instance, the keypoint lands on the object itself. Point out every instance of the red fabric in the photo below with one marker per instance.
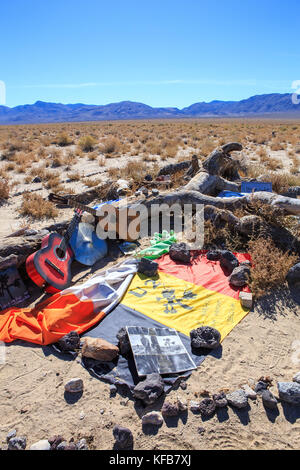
(203, 272)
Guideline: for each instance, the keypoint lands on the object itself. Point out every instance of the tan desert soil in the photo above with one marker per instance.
(32, 392)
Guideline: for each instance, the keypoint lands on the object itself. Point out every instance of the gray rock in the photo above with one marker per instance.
(249, 392)
(228, 261)
(123, 344)
(296, 378)
(170, 409)
(207, 407)
(11, 434)
(17, 443)
(147, 267)
(153, 417)
(37, 179)
(54, 441)
(113, 390)
(69, 342)
(220, 400)
(123, 437)
(150, 389)
(41, 445)
(289, 392)
(268, 399)
(155, 192)
(293, 276)
(214, 255)
(182, 405)
(183, 385)
(260, 387)
(195, 406)
(240, 276)
(62, 446)
(238, 399)
(180, 252)
(74, 385)
(82, 445)
(205, 337)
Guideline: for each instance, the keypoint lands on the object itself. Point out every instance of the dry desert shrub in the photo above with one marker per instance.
(110, 146)
(4, 190)
(63, 140)
(270, 266)
(87, 143)
(35, 207)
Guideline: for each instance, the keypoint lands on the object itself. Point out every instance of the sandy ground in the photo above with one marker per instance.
(263, 344)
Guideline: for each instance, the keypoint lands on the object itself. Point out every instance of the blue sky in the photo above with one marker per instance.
(163, 53)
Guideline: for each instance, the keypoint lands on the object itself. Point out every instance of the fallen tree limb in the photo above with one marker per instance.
(252, 226)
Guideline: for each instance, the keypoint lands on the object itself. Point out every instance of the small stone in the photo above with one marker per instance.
(150, 389)
(11, 434)
(62, 446)
(99, 349)
(213, 255)
(147, 267)
(153, 417)
(238, 399)
(113, 390)
(201, 430)
(228, 261)
(123, 437)
(195, 407)
(81, 415)
(74, 385)
(205, 337)
(17, 443)
(261, 386)
(41, 445)
(69, 342)
(240, 276)
(183, 385)
(220, 400)
(296, 378)
(207, 407)
(179, 252)
(246, 299)
(250, 393)
(102, 412)
(54, 441)
(37, 179)
(170, 409)
(155, 192)
(82, 445)
(268, 399)
(182, 405)
(289, 392)
(148, 178)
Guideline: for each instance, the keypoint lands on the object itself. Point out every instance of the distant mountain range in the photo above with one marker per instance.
(270, 105)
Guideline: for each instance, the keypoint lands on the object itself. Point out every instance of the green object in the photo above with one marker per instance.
(160, 245)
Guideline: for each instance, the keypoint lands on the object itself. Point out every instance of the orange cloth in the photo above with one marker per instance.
(77, 308)
(48, 321)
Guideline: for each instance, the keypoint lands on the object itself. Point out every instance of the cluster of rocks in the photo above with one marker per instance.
(239, 272)
(15, 442)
